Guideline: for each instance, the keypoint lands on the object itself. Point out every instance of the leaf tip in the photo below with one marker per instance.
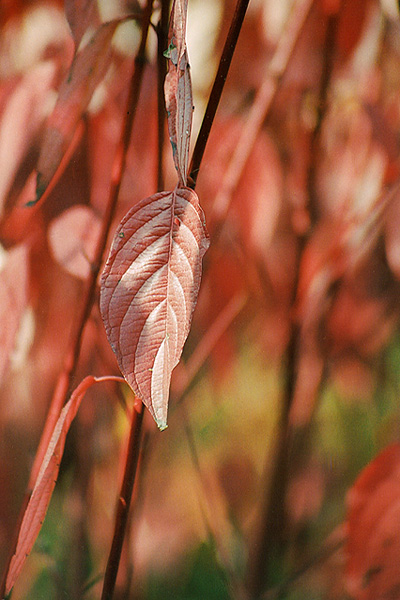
(161, 425)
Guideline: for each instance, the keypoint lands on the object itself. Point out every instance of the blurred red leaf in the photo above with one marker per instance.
(44, 486)
(73, 238)
(149, 289)
(257, 200)
(373, 519)
(13, 299)
(80, 14)
(178, 90)
(351, 23)
(24, 112)
(86, 72)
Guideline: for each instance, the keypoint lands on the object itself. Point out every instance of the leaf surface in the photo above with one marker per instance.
(86, 72)
(149, 289)
(44, 486)
(178, 90)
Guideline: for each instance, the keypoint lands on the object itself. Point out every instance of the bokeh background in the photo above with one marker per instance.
(289, 382)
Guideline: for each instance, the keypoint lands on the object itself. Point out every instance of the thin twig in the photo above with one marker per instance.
(218, 86)
(162, 36)
(124, 502)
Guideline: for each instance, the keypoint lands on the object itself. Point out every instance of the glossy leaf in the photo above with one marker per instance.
(76, 91)
(149, 289)
(178, 90)
(44, 486)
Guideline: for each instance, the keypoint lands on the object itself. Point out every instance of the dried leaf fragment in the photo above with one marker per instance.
(149, 289)
(178, 90)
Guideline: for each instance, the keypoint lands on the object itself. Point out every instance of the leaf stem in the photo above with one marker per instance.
(216, 91)
(123, 505)
(162, 36)
(131, 464)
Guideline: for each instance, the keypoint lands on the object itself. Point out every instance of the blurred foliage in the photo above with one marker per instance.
(303, 272)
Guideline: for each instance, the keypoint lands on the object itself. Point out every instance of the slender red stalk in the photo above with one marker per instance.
(216, 91)
(123, 505)
(132, 459)
(162, 37)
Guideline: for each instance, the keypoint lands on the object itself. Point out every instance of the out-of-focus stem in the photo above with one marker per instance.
(123, 505)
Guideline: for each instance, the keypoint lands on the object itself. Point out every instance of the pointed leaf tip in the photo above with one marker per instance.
(149, 289)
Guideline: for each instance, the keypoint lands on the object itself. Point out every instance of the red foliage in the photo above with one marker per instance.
(373, 545)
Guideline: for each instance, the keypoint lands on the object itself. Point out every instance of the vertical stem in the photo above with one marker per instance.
(162, 36)
(272, 539)
(327, 67)
(218, 86)
(123, 505)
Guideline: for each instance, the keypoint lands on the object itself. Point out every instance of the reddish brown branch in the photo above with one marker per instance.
(162, 37)
(123, 505)
(218, 86)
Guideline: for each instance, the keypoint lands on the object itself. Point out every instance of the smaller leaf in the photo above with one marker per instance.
(86, 72)
(178, 90)
(44, 486)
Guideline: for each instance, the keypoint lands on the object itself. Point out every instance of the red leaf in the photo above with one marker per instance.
(73, 237)
(149, 289)
(373, 546)
(178, 90)
(46, 480)
(86, 72)
(80, 14)
(13, 299)
(22, 117)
